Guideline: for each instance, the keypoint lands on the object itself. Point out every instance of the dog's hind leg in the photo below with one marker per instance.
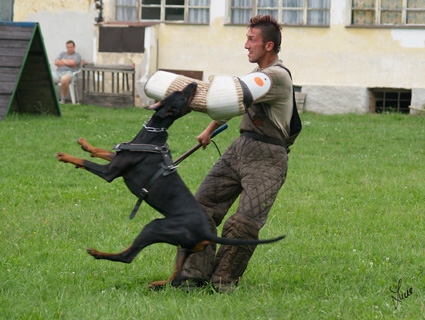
(95, 152)
(182, 255)
(150, 234)
(125, 256)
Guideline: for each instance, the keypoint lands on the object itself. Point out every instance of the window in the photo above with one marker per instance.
(186, 11)
(391, 100)
(6, 10)
(122, 39)
(387, 12)
(287, 12)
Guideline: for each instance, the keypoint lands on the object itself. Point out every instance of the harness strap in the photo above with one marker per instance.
(144, 192)
(295, 124)
(140, 147)
(165, 168)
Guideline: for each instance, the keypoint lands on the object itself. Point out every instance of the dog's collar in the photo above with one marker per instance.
(153, 129)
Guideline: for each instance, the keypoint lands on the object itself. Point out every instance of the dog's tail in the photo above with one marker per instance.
(243, 242)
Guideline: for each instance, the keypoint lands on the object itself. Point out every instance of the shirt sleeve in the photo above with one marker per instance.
(279, 99)
(60, 56)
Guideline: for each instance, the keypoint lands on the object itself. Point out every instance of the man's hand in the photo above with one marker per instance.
(205, 137)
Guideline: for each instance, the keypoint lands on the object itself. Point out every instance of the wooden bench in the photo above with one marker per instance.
(109, 85)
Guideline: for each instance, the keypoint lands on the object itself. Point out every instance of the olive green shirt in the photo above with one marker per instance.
(271, 114)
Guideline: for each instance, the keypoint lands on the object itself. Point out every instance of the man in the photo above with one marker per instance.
(253, 167)
(66, 63)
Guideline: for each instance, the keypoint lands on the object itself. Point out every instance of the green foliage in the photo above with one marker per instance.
(352, 209)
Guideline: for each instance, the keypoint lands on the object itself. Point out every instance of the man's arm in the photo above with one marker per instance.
(66, 62)
(205, 136)
(59, 63)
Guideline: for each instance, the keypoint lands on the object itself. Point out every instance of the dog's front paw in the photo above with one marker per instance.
(83, 143)
(62, 157)
(66, 158)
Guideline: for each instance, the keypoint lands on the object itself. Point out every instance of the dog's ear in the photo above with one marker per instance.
(162, 111)
(154, 106)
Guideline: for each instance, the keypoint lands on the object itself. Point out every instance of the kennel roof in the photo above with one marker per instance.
(26, 83)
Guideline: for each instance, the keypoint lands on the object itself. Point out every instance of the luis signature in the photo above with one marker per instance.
(400, 296)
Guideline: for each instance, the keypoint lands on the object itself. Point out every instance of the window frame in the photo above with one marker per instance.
(377, 11)
(255, 9)
(383, 100)
(163, 6)
(121, 39)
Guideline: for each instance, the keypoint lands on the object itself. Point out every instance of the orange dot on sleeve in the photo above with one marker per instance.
(259, 81)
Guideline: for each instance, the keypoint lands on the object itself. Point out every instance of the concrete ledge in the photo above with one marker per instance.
(336, 99)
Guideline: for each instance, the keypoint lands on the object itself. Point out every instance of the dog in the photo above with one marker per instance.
(148, 171)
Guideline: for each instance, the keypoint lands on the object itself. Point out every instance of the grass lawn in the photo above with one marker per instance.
(352, 208)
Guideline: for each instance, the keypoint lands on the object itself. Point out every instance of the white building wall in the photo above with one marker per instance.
(339, 57)
(61, 21)
(337, 63)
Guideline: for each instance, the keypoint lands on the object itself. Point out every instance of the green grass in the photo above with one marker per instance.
(352, 209)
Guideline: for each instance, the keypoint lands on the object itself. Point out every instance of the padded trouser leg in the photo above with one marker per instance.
(231, 261)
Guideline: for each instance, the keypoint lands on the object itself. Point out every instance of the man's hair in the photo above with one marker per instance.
(270, 30)
(70, 41)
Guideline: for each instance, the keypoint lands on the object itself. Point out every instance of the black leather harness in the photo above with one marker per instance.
(165, 168)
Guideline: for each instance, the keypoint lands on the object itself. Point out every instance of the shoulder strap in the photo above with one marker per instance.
(295, 125)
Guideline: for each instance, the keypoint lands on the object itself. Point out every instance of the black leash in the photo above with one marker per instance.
(193, 149)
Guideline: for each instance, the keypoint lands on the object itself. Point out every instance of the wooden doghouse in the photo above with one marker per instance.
(26, 84)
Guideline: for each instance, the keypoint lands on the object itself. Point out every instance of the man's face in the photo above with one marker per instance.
(255, 45)
(70, 48)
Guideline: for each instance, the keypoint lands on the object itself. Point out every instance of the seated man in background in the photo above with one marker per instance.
(67, 62)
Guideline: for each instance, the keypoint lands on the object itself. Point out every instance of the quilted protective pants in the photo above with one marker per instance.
(255, 171)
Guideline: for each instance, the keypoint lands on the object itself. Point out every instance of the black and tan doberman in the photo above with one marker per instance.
(148, 171)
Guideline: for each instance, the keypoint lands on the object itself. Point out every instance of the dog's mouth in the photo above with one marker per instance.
(191, 87)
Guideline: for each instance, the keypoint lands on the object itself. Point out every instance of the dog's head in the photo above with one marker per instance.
(176, 104)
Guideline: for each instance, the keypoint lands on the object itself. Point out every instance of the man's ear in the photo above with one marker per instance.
(269, 45)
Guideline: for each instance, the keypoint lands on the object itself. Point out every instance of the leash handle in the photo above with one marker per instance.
(193, 149)
(219, 130)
